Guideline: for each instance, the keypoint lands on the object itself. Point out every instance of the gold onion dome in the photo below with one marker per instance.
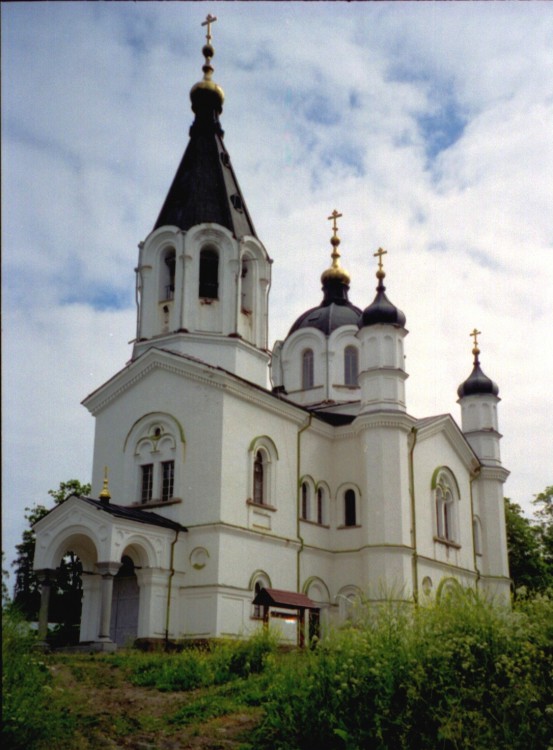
(335, 309)
(207, 90)
(335, 272)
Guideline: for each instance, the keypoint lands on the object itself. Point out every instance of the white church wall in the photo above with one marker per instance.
(430, 454)
(198, 488)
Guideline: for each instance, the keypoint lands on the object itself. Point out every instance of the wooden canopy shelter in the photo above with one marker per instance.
(291, 601)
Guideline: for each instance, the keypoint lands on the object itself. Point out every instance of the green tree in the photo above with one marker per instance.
(544, 515)
(66, 596)
(526, 561)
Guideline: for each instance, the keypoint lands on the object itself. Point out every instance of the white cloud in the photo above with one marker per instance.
(330, 105)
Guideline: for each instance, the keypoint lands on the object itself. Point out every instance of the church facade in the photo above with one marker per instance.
(234, 469)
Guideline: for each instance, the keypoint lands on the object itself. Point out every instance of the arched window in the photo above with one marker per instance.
(351, 366)
(259, 495)
(305, 501)
(263, 459)
(307, 375)
(445, 495)
(350, 511)
(155, 453)
(246, 285)
(320, 505)
(209, 274)
(477, 535)
(167, 275)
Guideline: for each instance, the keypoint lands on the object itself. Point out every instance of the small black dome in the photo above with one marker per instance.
(381, 310)
(477, 383)
(334, 311)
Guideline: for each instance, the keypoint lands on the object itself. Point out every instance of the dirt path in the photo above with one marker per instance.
(113, 714)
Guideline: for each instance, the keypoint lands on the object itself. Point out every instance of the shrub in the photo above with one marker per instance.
(197, 667)
(33, 716)
(461, 674)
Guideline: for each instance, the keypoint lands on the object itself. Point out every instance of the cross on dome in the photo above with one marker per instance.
(380, 252)
(333, 216)
(208, 21)
(335, 272)
(475, 350)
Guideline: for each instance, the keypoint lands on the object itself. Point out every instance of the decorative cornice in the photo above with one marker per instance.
(192, 369)
(394, 419)
(499, 473)
(446, 424)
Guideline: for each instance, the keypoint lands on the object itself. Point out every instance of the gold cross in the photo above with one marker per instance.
(208, 21)
(333, 216)
(474, 335)
(379, 255)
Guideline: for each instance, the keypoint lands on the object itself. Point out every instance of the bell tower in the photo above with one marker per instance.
(203, 276)
(478, 398)
(381, 332)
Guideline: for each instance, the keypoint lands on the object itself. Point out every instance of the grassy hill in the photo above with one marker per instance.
(461, 674)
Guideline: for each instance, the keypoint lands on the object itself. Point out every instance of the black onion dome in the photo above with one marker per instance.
(381, 310)
(477, 383)
(334, 311)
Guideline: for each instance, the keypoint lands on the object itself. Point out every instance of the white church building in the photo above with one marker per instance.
(294, 477)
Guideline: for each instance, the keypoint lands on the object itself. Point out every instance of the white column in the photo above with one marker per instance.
(107, 570)
(46, 577)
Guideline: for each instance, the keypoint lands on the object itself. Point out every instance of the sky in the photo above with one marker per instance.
(429, 126)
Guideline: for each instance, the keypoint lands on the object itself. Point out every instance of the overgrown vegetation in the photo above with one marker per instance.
(461, 674)
(464, 673)
(34, 714)
(216, 664)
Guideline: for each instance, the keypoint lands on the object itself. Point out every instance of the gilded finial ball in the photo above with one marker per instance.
(208, 50)
(334, 241)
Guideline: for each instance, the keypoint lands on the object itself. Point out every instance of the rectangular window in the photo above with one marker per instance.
(167, 479)
(147, 483)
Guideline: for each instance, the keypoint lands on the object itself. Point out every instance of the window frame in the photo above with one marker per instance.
(305, 501)
(350, 508)
(167, 482)
(262, 447)
(351, 366)
(259, 494)
(208, 274)
(446, 499)
(307, 369)
(146, 483)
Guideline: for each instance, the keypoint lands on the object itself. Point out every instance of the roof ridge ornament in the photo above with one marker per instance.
(105, 494)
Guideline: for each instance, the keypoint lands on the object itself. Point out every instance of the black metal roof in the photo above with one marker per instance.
(133, 514)
(205, 188)
(334, 311)
(477, 383)
(381, 310)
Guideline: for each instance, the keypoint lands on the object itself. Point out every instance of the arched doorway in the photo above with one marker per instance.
(124, 608)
